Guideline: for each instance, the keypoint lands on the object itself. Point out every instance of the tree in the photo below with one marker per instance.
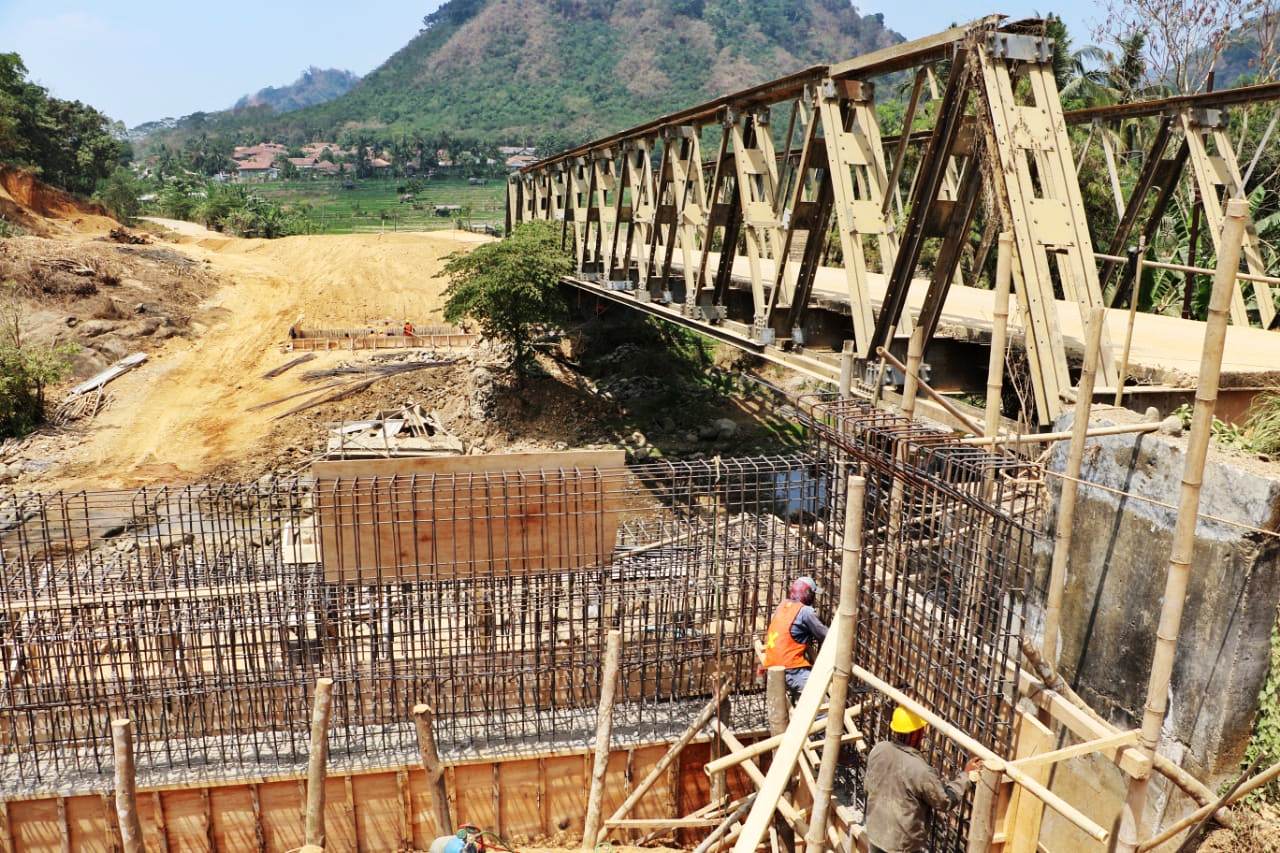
(69, 144)
(286, 168)
(1181, 41)
(119, 192)
(508, 287)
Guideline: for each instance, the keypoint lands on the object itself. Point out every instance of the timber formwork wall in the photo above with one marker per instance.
(949, 532)
(205, 614)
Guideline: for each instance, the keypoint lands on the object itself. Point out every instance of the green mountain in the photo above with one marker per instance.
(547, 71)
(313, 86)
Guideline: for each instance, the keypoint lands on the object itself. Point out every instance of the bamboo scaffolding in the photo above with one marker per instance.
(846, 618)
(1179, 572)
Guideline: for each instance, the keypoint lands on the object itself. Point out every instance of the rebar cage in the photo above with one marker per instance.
(206, 613)
(948, 536)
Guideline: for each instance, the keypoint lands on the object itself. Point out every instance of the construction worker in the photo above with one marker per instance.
(409, 331)
(904, 791)
(793, 627)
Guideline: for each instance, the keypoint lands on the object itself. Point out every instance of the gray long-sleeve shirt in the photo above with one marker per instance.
(903, 792)
(807, 627)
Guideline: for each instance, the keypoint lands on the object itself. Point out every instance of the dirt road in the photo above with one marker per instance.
(185, 411)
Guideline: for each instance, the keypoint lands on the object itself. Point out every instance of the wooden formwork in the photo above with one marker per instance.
(532, 797)
(459, 340)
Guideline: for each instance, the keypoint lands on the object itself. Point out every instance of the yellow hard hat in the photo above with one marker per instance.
(904, 722)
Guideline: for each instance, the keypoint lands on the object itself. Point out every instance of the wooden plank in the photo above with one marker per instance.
(1101, 744)
(457, 514)
(1033, 738)
(64, 829)
(158, 820)
(380, 813)
(6, 834)
(349, 790)
(523, 800)
(282, 815)
(112, 822)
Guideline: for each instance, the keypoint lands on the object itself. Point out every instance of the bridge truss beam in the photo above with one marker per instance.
(785, 215)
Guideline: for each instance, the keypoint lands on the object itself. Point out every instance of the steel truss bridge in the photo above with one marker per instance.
(780, 220)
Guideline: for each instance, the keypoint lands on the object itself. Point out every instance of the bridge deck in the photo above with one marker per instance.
(1165, 350)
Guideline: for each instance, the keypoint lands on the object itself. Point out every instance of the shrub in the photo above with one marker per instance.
(25, 371)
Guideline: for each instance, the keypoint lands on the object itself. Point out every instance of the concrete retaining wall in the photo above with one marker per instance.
(1115, 583)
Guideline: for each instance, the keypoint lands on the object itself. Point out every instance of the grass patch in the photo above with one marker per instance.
(375, 204)
(1259, 433)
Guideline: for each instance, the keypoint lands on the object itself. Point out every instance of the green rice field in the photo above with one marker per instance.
(374, 204)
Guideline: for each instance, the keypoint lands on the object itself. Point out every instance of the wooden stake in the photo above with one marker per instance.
(1179, 571)
(604, 731)
(422, 719)
(1067, 502)
(126, 786)
(1134, 293)
(779, 709)
(982, 823)
(318, 758)
(999, 333)
(846, 617)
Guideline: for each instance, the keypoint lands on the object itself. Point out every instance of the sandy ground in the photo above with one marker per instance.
(185, 410)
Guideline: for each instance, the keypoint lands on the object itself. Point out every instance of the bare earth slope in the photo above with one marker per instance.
(184, 412)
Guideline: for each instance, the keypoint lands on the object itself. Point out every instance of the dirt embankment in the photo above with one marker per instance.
(42, 210)
(188, 410)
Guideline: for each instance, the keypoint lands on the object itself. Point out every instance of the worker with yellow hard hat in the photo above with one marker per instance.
(904, 791)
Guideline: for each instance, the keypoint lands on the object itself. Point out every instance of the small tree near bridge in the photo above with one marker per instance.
(509, 287)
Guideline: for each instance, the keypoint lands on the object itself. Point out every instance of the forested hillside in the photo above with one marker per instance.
(548, 71)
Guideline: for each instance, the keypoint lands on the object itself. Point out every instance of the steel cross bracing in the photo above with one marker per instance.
(751, 216)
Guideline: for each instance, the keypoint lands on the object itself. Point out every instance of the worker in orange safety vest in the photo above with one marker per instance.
(793, 627)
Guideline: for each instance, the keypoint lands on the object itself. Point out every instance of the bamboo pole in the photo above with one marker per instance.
(1134, 293)
(878, 391)
(719, 832)
(1264, 778)
(911, 372)
(937, 397)
(1047, 437)
(778, 709)
(1194, 270)
(604, 732)
(422, 719)
(1179, 571)
(846, 370)
(760, 747)
(707, 712)
(846, 616)
(321, 707)
(999, 332)
(1065, 525)
(126, 786)
(982, 822)
(794, 816)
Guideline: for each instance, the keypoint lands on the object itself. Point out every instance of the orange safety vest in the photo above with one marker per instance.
(780, 648)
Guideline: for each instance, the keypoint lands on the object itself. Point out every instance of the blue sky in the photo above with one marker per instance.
(139, 60)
